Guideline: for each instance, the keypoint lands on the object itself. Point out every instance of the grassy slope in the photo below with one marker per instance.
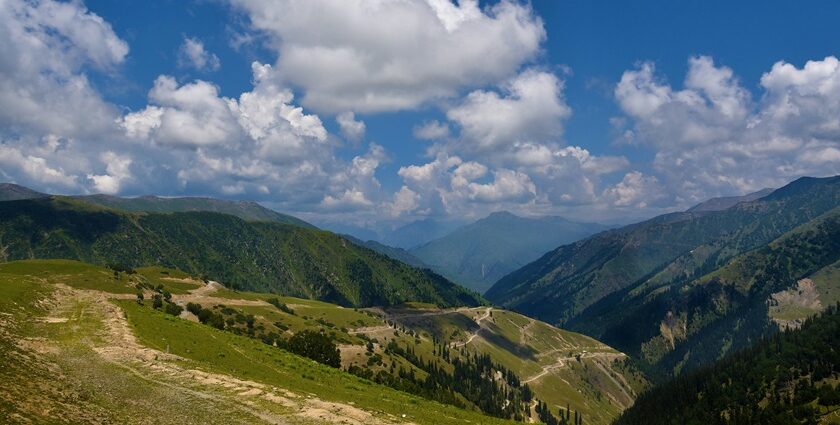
(520, 344)
(599, 384)
(262, 256)
(52, 369)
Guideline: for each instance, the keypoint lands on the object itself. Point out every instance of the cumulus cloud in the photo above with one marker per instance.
(635, 189)
(117, 170)
(518, 160)
(192, 54)
(531, 108)
(712, 138)
(385, 56)
(431, 130)
(350, 127)
(46, 48)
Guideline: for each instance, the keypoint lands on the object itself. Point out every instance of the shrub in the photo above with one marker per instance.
(315, 346)
(157, 301)
(280, 306)
(194, 308)
(173, 309)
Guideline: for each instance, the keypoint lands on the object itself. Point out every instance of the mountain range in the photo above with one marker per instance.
(478, 254)
(258, 255)
(683, 289)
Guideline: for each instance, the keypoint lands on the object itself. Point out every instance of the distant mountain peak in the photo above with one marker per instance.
(726, 202)
(13, 192)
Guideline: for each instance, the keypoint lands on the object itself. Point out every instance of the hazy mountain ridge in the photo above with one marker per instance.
(478, 254)
(615, 286)
(14, 192)
(265, 256)
(726, 202)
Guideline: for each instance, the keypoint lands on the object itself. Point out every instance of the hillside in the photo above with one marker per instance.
(245, 210)
(77, 348)
(628, 287)
(791, 378)
(478, 254)
(262, 256)
(172, 363)
(726, 202)
(13, 192)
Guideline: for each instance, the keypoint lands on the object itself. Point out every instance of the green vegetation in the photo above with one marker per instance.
(790, 378)
(261, 256)
(248, 358)
(683, 289)
(480, 253)
(64, 358)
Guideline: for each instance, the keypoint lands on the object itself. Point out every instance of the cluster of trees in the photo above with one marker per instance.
(280, 306)
(207, 316)
(490, 387)
(316, 346)
(785, 379)
(545, 416)
(311, 344)
(162, 299)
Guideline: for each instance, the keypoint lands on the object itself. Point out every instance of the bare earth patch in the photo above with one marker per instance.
(117, 344)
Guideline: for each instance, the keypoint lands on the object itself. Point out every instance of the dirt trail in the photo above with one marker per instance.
(475, 334)
(204, 296)
(117, 344)
(560, 363)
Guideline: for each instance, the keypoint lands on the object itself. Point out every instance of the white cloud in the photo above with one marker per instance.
(117, 169)
(193, 54)
(711, 137)
(431, 130)
(350, 127)
(189, 116)
(512, 137)
(392, 55)
(405, 201)
(35, 168)
(46, 48)
(532, 109)
(507, 186)
(635, 189)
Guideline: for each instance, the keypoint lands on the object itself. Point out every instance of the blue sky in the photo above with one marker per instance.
(592, 110)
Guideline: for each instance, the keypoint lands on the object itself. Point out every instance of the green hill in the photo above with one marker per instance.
(644, 288)
(245, 210)
(791, 378)
(91, 352)
(75, 347)
(478, 254)
(262, 256)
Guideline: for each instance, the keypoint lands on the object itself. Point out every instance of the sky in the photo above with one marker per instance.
(376, 113)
